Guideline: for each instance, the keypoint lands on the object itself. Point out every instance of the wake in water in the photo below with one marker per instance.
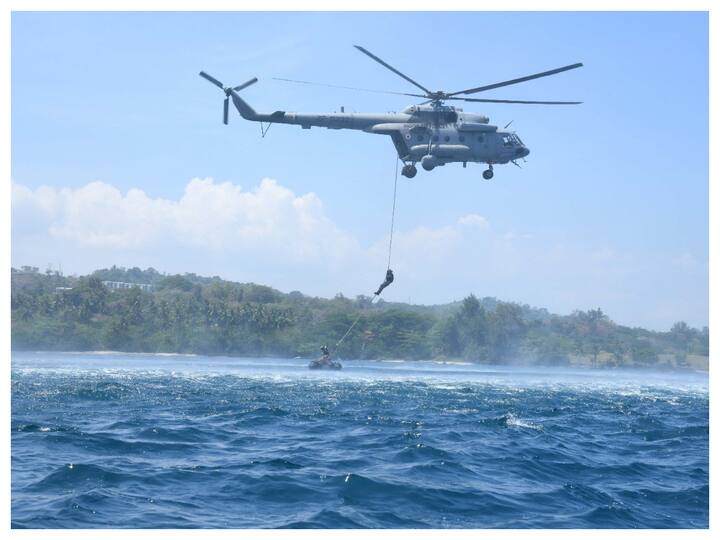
(140, 441)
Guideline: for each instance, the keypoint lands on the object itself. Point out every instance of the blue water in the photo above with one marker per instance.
(110, 440)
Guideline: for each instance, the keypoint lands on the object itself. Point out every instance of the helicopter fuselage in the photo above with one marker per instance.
(432, 135)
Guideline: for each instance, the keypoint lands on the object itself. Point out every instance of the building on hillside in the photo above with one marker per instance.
(117, 285)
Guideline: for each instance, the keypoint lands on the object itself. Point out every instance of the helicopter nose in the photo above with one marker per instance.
(522, 151)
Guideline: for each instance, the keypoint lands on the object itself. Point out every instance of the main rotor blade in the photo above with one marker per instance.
(381, 62)
(479, 100)
(211, 79)
(347, 87)
(246, 84)
(516, 81)
(226, 104)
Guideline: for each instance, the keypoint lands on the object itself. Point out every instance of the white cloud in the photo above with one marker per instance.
(209, 215)
(98, 215)
(267, 234)
(474, 220)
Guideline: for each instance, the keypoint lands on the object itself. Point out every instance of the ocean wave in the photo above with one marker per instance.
(77, 475)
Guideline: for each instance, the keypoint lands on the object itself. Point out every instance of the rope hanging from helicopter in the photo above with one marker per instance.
(392, 216)
(388, 274)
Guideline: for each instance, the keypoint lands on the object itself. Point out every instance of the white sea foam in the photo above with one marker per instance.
(455, 376)
(513, 421)
(120, 353)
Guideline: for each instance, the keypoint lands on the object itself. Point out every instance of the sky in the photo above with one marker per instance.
(119, 156)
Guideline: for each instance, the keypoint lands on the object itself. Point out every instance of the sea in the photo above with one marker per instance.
(115, 440)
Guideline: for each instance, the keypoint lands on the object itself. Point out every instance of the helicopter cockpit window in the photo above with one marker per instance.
(512, 140)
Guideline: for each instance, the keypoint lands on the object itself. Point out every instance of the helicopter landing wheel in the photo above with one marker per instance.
(488, 174)
(409, 171)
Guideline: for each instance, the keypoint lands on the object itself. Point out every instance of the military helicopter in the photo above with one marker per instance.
(430, 133)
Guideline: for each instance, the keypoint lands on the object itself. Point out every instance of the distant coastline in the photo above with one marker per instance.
(120, 311)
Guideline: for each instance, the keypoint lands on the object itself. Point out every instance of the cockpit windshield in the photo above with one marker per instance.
(512, 140)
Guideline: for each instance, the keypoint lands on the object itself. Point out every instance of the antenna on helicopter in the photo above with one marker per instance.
(228, 91)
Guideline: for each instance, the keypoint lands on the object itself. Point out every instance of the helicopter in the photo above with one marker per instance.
(430, 133)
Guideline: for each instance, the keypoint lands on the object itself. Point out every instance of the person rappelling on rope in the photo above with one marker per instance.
(389, 277)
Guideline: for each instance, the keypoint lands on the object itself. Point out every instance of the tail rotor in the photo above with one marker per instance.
(228, 91)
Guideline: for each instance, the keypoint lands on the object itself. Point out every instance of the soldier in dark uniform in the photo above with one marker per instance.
(326, 354)
(388, 280)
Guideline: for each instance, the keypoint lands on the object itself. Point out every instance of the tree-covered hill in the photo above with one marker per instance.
(194, 314)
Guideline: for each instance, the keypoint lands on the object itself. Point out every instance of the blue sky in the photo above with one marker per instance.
(611, 209)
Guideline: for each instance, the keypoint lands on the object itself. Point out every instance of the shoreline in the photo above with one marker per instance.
(439, 361)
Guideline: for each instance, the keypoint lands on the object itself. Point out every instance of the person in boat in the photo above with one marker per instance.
(389, 277)
(326, 354)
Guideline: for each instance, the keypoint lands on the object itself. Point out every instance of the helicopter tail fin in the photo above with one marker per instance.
(245, 110)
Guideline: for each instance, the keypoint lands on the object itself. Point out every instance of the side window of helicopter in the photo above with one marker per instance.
(461, 138)
(419, 138)
(447, 138)
(481, 139)
(506, 140)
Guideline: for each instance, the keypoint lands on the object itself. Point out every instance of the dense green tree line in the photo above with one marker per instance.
(194, 314)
